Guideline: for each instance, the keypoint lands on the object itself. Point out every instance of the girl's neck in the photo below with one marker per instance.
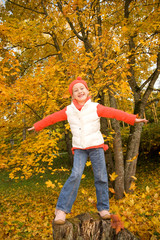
(80, 105)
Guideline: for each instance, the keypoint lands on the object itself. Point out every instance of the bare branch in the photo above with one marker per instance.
(50, 55)
(44, 8)
(152, 101)
(156, 90)
(68, 39)
(69, 22)
(153, 79)
(147, 81)
(33, 110)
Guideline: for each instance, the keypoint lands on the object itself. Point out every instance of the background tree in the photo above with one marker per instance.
(114, 45)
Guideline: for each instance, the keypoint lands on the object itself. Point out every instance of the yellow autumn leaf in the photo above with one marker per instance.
(155, 221)
(83, 176)
(124, 29)
(126, 194)
(147, 189)
(112, 190)
(83, 191)
(50, 184)
(60, 185)
(91, 200)
(133, 186)
(134, 178)
(88, 163)
(156, 195)
(67, 127)
(113, 176)
(143, 195)
(134, 158)
(11, 175)
(131, 202)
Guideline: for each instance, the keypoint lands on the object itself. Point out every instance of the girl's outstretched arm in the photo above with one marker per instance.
(139, 120)
(30, 129)
(49, 120)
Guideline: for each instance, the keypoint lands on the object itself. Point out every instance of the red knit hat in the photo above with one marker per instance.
(78, 80)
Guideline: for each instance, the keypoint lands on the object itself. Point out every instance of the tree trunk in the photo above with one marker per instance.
(89, 227)
(132, 154)
(118, 154)
(108, 153)
(69, 147)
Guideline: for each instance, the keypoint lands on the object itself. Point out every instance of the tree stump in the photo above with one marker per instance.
(89, 226)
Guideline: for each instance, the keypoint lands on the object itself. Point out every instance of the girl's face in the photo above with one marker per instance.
(80, 93)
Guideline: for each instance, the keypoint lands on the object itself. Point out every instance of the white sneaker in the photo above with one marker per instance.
(105, 214)
(60, 217)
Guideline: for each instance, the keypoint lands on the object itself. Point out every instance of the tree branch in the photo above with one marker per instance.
(126, 8)
(44, 8)
(50, 55)
(153, 79)
(152, 101)
(156, 90)
(69, 22)
(30, 9)
(68, 39)
(147, 81)
(32, 110)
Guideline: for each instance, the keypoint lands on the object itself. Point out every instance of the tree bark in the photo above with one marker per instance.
(132, 155)
(118, 153)
(89, 227)
(69, 147)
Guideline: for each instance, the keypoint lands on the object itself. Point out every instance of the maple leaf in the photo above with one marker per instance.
(113, 176)
(133, 186)
(88, 163)
(116, 223)
(112, 190)
(83, 191)
(83, 176)
(50, 184)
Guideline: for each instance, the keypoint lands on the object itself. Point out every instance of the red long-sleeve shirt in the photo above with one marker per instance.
(102, 111)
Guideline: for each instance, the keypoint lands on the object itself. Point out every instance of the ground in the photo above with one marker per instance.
(27, 207)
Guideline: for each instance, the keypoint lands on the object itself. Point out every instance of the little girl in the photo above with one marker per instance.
(84, 119)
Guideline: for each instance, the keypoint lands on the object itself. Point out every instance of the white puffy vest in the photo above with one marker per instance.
(85, 125)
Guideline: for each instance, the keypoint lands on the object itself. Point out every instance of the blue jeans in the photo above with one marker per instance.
(70, 189)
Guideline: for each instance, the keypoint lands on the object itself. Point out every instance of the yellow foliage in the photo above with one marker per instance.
(33, 153)
(29, 212)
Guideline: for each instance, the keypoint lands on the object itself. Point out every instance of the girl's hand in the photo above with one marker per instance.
(139, 120)
(30, 129)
